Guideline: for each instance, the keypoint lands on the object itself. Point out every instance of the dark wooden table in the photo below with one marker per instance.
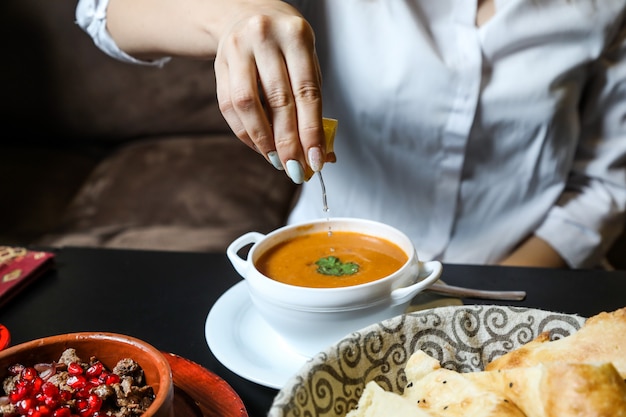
(164, 298)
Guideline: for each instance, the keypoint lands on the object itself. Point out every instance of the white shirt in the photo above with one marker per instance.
(471, 139)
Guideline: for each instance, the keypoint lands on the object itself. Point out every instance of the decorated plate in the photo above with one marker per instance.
(461, 338)
(199, 392)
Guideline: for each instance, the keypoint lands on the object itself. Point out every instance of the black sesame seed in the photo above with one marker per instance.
(510, 384)
(409, 385)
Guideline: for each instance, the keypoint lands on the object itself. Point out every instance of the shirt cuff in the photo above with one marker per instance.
(578, 245)
(91, 17)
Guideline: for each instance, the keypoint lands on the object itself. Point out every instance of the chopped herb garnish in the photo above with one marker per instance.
(331, 265)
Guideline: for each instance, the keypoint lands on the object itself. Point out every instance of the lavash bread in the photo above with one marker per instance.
(559, 389)
(579, 375)
(440, 391)
(434, 391)
(601, 339)
(376, 402)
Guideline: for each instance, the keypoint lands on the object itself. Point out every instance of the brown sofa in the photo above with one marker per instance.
(102, 153)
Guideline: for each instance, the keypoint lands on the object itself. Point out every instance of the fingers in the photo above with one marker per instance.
(268, 87)
(240, 103)
(304, 74)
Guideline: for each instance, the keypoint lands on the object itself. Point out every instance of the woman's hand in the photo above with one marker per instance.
(268, 77)
(269, 86)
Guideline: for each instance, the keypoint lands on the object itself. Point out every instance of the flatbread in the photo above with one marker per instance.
(602, 339)
(578, 375)
(376, 402)
(440, 391)
(559, 389)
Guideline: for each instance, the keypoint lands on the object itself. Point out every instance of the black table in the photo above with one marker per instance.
(164, 298)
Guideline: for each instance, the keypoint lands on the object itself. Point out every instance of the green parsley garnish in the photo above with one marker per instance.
(331, 265)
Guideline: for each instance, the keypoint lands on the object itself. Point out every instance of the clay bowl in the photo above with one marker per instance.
(109, 348)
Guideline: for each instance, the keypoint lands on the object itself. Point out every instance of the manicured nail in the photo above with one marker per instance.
(315, 159)
(275, 160)
(295, 171)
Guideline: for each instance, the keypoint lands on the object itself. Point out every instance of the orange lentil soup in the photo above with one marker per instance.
(294, 261)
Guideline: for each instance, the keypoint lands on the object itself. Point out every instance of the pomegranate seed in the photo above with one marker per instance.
(20, 392)
(51, 402)
(65, 395)
(62, 412)
(37, 383)
(86, 413)
(32, 412)
(95, 369)
(82, 405)
(44, 410)
(74, 369)
(29, 373)
(26, 404)
(82, 393)
(22, 383)
(112, 379)
(95, 402)
(40, 397)
(49, 389)
(76, 381)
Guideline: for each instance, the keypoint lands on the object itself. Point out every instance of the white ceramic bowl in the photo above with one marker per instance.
(310, 319)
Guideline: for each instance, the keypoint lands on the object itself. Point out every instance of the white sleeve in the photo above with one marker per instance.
(91, 16)
(591, 212)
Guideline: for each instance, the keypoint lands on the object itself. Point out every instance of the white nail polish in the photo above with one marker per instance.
(315, 159)
(295, 171)
(275, 160)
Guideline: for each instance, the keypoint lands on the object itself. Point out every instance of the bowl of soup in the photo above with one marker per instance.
(316, 282)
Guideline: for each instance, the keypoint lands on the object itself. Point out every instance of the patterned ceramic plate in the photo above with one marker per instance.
(462, 338)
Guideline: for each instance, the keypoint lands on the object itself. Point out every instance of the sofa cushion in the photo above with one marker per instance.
(36, 184)
(58, 86)
(194, 192)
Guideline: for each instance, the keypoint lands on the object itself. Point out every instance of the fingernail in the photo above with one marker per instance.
(295, 171)
(315, 159)
(275, 160)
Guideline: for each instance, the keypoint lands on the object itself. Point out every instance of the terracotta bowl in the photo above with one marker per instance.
(109, 348)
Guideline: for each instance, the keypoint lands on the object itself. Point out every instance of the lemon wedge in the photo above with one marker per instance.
(330, 128)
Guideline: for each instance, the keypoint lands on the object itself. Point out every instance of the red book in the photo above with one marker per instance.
(19, 267)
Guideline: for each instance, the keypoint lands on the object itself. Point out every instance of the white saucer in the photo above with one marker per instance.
(244, 343)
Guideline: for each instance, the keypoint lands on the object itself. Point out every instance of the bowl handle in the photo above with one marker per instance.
(240, 264)
(429, 273)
